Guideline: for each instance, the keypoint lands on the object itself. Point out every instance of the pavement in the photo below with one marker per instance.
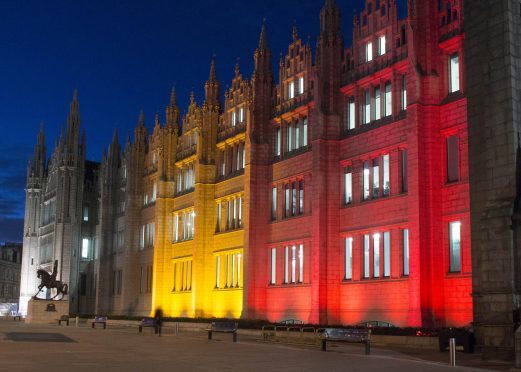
(28, 347)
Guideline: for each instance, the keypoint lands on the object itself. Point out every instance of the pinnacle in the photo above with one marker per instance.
(237, 68)
(75, 95)
(295, 32)
(173, 97)
(212, 76)
(115, 136)
(141, 121)
(263, 39)
(192, 97)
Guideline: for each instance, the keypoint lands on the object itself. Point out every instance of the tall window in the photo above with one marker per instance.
(455, 246)
(351, 113)
(454, 84)
(290, 137)
(287, 211)
(291, 90)
(381, 45)
(228, 270)
(154, 193)
(386, 182)
(376, 179)
(184, 225)
(348, 258)
(86, 213)
(387, 254)
(218, 272)
(366, 176)
(234, 118)
(293, 264)
(367, 107)
(305, 132)
(241, 115)
(301, 85)
(366, 256)
(301, 197)
(405, 251)
(183, 275)
(273, 279)
(348, 186)
(274, 203)
(376, 255)
(405, 174)
(277, 142)
(404, 93)
(85, 248)
(219, 212)
(453, 158)
(369, 52)
(388, 100)
(377, 104)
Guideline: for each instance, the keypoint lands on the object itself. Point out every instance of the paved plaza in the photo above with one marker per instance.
(25, 347)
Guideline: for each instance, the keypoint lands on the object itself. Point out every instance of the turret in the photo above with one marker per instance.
(262, 82)
(330, 47)
(212, 87)
(173, 113)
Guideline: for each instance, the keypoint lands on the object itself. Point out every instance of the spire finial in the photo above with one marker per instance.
(213, 75)
(330, 4)
(75, 95)
(156, 120)
(173, 97)
(141, 121)
(295, 31)
(192, 96)
(41, 127)
(115, 136)
(237, 68)
(263, 40)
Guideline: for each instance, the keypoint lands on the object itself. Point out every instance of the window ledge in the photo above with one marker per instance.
(181, 241)
(288, 285)
(179, 292)
(227, 289)
(229, 231)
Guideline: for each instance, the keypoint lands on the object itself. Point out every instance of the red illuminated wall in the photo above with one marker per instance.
(430, 295)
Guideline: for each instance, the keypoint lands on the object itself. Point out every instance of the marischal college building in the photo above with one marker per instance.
(337, 194)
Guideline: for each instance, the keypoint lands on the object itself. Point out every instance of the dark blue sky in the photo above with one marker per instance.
(122, 56)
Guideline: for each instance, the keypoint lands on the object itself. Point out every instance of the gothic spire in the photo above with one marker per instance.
(141, 120)
(115, 136)
(212, 76)
(212, 86)
(173, 97)
(295, 32)
(263, 39)
(237, 68)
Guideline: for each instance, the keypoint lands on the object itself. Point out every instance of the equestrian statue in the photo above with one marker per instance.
(49, 281)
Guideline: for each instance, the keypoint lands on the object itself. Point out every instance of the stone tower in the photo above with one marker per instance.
(493, 45)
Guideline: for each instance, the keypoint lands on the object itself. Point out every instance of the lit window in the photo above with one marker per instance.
(377, 104)
(348, 258)
(273, 279)
(386, 184)
(369, 52)
(286, 201)
(348, 187)
(376, 255)
(301, 263)
(366, 256)
(367, 107)
(404, 93)
(455, 246)
(290, 137)
(405, 251)
(277, 142)
(86, 213)
(301, 85)
(454, 84)
(388, 100)
(381, 45)
(452, 158)
(234, 118)
(351, 114)
(274, 203)
(241, 115)
(286, 265)
(154, 192)
(387, 254)
(305, 132)
(85, 248)
(376, 178)
(367, 173)
(218, 272)
(291, 90)
(301, 197)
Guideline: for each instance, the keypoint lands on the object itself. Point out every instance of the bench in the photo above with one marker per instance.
(100, 320)
(223, 327)
(346, 335)
(17, 316)
(150, 323)
(63, 318)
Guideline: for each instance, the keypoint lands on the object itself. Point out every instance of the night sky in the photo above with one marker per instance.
(123, 56)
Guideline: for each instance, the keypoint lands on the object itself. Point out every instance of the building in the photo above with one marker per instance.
(10, 265)
(338, 194)
(493, 42)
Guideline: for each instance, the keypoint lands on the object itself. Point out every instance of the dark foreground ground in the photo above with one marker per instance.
(25, 347)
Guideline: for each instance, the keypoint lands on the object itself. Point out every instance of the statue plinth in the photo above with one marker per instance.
(46, 311)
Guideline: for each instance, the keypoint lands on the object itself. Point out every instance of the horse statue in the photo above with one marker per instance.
(49, 281)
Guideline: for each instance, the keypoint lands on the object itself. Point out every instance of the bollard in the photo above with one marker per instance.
(77, 320)
(452, 351)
